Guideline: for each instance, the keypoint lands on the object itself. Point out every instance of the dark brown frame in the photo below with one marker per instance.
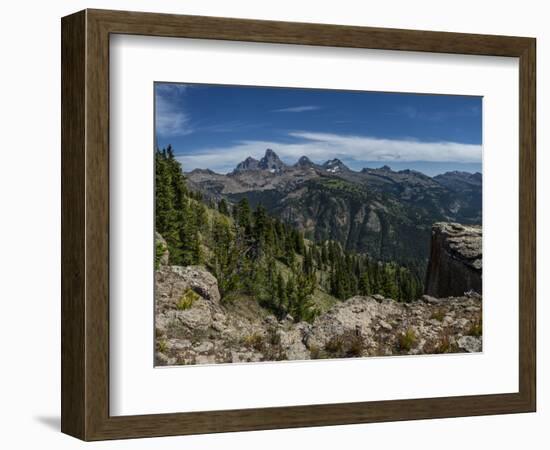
(85, 224)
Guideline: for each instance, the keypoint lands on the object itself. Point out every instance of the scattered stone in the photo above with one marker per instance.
(163, 360)
(204, 347)
(470, 344)
(431, 300)
(205, 359)
(208, 332)
(447, 321)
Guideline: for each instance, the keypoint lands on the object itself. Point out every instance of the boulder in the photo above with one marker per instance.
(470, 344)
(172, 282)
(354, 316)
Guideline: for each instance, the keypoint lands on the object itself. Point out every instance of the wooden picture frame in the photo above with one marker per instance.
(85, 224)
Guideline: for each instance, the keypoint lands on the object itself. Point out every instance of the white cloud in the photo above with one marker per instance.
(171, 118)
(319, 147)
(298, 109)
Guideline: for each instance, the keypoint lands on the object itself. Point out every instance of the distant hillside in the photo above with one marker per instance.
(381, 212)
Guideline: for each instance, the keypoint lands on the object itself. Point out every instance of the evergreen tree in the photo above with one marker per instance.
(225, 262)
(223, 208)
(281, 296)
(260, 228)
(364, 284)
(242, 214)
(308, 263)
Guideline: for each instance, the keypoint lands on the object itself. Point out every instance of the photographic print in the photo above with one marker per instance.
(302, 224)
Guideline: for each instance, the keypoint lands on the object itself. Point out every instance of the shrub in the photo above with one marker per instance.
(438, 314)
(406, 341)
(162, 345)
(187, 300)
(256, 341)
(315, 352)
(346, 345)
(159, 251)
(476, 329)
(445, 346)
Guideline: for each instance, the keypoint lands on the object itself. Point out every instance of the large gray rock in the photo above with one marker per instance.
(353, 316)
(172, 282)
(206, 330)
(470, 344)
(455, 265)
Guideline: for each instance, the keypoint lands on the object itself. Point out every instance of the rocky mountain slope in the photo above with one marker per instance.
(194, 326)
(387, 214)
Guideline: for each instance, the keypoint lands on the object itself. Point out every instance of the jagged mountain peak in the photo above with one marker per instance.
(248, 164)
(271, 162)
(459, 180)
(335, 166)
(384, 168)
(304, 161)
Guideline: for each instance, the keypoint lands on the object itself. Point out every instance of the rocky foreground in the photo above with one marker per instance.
(193, 326)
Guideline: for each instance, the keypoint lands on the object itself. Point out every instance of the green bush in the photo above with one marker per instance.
(445, 346)
(186, 300)
(255, 341)
(438, 314)
(406, 341)
(162, 346)
(346, 345)
(315, 352)
(159, 251)
(476, 329)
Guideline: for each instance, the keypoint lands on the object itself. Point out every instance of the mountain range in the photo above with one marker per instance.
(384, 213)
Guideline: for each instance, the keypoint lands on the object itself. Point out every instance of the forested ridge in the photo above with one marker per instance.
(254, 254)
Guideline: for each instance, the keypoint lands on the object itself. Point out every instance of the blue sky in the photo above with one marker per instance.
(216, 127)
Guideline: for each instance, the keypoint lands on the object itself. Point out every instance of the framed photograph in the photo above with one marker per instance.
(273, 225)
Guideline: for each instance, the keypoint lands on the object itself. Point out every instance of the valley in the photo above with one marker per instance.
(384, 213)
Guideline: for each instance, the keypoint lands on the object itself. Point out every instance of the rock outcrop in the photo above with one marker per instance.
(455, 265)
(193, 326)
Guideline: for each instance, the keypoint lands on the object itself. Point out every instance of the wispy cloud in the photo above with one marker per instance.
(170, 115)
(297, 109)
(355, 150)
(412, 112)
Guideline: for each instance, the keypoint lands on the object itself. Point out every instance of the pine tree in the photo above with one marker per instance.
(281, 296)
(308, 263)
(364, 284)
(226, 258)
(302, 306)
(291, 291)
(223, 208)
(260, 228)
(324, 254)
(289, 250)
(242, 213)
